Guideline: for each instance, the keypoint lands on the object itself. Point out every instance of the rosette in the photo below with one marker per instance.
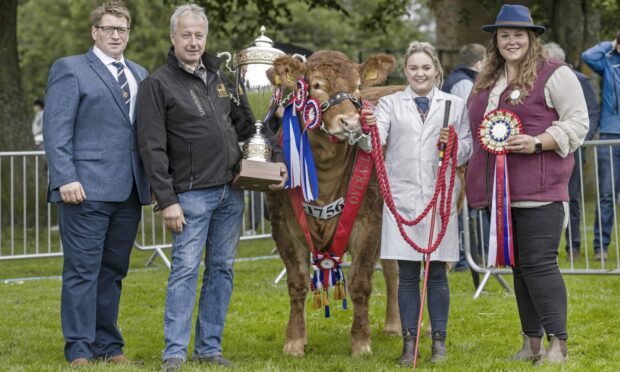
(301, 95)
(312, 114)
(493, 133)
(495, 129)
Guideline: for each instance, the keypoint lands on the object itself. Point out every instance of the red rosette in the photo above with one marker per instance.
(276, 97)
(312, 114)
(495, 129)
(301, 94)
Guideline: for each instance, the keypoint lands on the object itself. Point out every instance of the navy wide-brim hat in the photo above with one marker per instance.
(514, 16)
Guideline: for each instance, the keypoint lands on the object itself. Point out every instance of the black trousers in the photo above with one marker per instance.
(538, 283)
(573, 234)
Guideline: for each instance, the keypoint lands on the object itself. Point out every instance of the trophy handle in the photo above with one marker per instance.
(299, 57)
(228, 59)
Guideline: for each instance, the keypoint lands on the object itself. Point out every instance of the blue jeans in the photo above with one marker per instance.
(605, 191)
(409, 297)
(214, 217)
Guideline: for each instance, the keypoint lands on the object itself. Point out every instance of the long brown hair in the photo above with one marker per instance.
(494, 65)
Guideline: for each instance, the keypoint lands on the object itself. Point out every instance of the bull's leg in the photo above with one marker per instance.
(392, 325)
(360, 287)
(296, 261)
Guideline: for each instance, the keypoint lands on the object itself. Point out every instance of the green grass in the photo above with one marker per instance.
(481, 332)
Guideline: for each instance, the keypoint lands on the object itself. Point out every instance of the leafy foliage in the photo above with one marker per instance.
(48, 30)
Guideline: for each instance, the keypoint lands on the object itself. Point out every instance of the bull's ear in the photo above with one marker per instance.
(376, 69)
(285, 71)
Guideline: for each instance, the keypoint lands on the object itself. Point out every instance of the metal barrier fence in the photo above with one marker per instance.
(29, 225)
(586, 198)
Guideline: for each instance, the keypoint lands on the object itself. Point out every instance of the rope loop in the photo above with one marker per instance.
(442, 197)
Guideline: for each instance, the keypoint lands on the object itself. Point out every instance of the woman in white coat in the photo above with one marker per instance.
(410, 124)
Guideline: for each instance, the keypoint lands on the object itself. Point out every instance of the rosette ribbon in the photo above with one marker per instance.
(298, 156)
(493, 134)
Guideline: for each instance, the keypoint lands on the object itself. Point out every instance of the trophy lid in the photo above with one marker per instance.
(260, 52)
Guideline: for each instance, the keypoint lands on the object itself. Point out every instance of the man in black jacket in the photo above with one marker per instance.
(189, 128)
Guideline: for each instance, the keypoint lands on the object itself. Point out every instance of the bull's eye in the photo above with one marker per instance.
(316, 86)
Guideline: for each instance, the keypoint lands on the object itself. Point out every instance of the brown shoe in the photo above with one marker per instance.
(531, 350)
(598, 256)
(79, 362)
(122, 360)
(576, 256)
(557, 352)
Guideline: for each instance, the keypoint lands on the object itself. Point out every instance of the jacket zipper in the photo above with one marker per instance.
(191, 166)
(220, 126)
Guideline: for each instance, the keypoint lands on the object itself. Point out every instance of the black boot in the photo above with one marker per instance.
(438, 349)
(406, 358)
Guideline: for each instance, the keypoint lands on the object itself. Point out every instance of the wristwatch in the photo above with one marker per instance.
(537, 145)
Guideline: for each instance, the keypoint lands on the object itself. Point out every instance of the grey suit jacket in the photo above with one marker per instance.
(87, 131)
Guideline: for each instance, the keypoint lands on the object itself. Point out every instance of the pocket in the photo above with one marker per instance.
(87, 155)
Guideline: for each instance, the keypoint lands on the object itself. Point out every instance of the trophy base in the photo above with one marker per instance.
(257, 175)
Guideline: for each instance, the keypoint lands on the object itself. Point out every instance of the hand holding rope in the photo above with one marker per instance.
(442, 194)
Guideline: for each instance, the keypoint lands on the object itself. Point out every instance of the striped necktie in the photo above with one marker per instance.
(422, 103)
(122, 81)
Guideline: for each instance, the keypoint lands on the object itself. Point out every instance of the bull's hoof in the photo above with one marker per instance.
(295, 348)
(360, 349)
(392, 330)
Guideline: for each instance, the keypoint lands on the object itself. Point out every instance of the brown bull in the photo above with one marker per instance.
(328, 72)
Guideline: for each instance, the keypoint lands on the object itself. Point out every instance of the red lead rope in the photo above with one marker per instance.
(444, 196)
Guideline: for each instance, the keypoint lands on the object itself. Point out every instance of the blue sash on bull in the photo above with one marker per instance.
(297, 149)
(497, 126)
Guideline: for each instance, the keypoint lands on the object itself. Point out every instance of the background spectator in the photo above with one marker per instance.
(604, 59)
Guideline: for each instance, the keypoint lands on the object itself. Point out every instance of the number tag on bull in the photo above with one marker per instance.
(325, 212)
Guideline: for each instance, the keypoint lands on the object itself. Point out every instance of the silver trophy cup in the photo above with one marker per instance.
(250, 68)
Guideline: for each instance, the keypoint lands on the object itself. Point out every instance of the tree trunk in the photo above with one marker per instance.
(576, 26)
(458, 23)
(15, 132)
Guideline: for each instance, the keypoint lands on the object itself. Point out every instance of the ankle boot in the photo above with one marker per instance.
(531, 350)
(557, 352)
(406, 358)
(438, 349)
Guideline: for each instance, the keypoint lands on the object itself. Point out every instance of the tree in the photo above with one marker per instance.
(14, 129)
(574, 24)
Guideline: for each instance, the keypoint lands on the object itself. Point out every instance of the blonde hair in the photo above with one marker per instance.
(113, 7)
(494, 65)
(426, 48)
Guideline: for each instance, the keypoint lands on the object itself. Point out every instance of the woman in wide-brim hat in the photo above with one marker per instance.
(547, 98)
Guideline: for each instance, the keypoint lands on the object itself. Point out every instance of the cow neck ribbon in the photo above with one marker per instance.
(298, 155)
(327, 265)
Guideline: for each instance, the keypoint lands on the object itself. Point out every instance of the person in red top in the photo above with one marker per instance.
(547, 97)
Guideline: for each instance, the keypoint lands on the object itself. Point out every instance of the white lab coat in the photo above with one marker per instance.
(411, 161)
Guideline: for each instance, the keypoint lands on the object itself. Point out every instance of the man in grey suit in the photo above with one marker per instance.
(98, 181)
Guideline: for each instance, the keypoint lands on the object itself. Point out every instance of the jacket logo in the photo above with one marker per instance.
(221, 91)
(239, 90)
(197, 103)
